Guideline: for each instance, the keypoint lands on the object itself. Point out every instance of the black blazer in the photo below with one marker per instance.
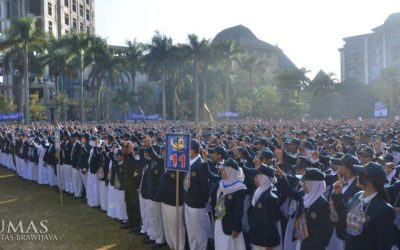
(377, 231)
(234, 206)
(83, 160)
(153, 181)
(96, 161)
(197, 194)
(319, 225)
(66, 147)
(75, 154)
(394, 199)
(263, 218)
(346, 196)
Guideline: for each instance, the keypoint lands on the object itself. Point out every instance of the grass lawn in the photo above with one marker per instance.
(75, 225)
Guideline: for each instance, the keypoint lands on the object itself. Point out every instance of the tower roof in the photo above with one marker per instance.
(246, 37)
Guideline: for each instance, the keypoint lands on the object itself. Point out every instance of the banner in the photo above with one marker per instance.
(380, 110)
(228, 114)
(11, 117)
(153, 117)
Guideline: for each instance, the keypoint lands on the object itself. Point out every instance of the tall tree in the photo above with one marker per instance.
(252, 64)
(134, 58)
(228, 51)
(156, 63)
(198, 51)
(78, 44)
(290, 85)
(22, 35)
(108, 67)
(388, 89)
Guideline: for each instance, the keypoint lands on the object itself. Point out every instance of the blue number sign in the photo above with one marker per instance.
(177, 152)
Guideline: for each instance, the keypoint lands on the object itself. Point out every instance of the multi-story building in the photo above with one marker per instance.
(363, 57)
(57, 17)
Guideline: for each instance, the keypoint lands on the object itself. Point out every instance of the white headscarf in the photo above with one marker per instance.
(264, 183)
(315, 190)
(233, 182)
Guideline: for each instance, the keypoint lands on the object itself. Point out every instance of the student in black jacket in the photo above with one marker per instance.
(74, 156)
(394, 198)
(229, 208)
(264, 211)
(313, 224)
(83, 159)
(368, 216)
(346, 171)
(196, 193)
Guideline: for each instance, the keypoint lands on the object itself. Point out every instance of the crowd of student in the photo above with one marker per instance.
(268, 185)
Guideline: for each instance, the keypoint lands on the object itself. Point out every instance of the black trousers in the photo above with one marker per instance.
(132, 207)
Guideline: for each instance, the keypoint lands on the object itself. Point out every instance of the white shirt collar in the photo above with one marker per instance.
(367, 199)
(192, 161)
(349, 182)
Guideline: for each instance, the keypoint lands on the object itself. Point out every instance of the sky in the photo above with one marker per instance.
(310, 32)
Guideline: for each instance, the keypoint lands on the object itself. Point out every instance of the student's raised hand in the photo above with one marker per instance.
(338, 185)
(278, 172)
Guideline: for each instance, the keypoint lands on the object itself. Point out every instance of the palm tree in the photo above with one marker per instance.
(23, 35)
(78, 44)
(290, 85)
(322, 82)
(199, 53)
(177, 68)
(156, 62)
(109, 67)
(252, 64)
(134, 57)
(228, 51)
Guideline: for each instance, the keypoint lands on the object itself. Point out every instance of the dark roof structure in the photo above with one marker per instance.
(246, 37)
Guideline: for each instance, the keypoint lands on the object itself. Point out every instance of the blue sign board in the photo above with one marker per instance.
(177, 152)
(154, 117)
(11, 117)
(228, 114)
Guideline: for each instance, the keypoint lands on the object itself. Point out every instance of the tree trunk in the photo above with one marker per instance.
(97, 99)
(227, 88)
(204, 96)
(81, 84)
(251, 92)
(26, 80)
(196, 93)
(174, 104)
(58, 105)
(163, 98)
(134, 86)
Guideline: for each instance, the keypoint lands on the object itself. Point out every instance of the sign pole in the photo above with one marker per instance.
(59, 178)
(177, 210)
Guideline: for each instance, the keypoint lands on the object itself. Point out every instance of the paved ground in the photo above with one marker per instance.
(75, 225)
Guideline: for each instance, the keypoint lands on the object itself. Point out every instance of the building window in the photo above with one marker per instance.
(66, 3)
(81, 10)
(50, 27)
(81, 27)
(49, 9)
(66, 32)
(87, 2)
(74, 5)
(88, 30)
(66, 21)
(74, 23)
(87, 15)
(8, 9)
